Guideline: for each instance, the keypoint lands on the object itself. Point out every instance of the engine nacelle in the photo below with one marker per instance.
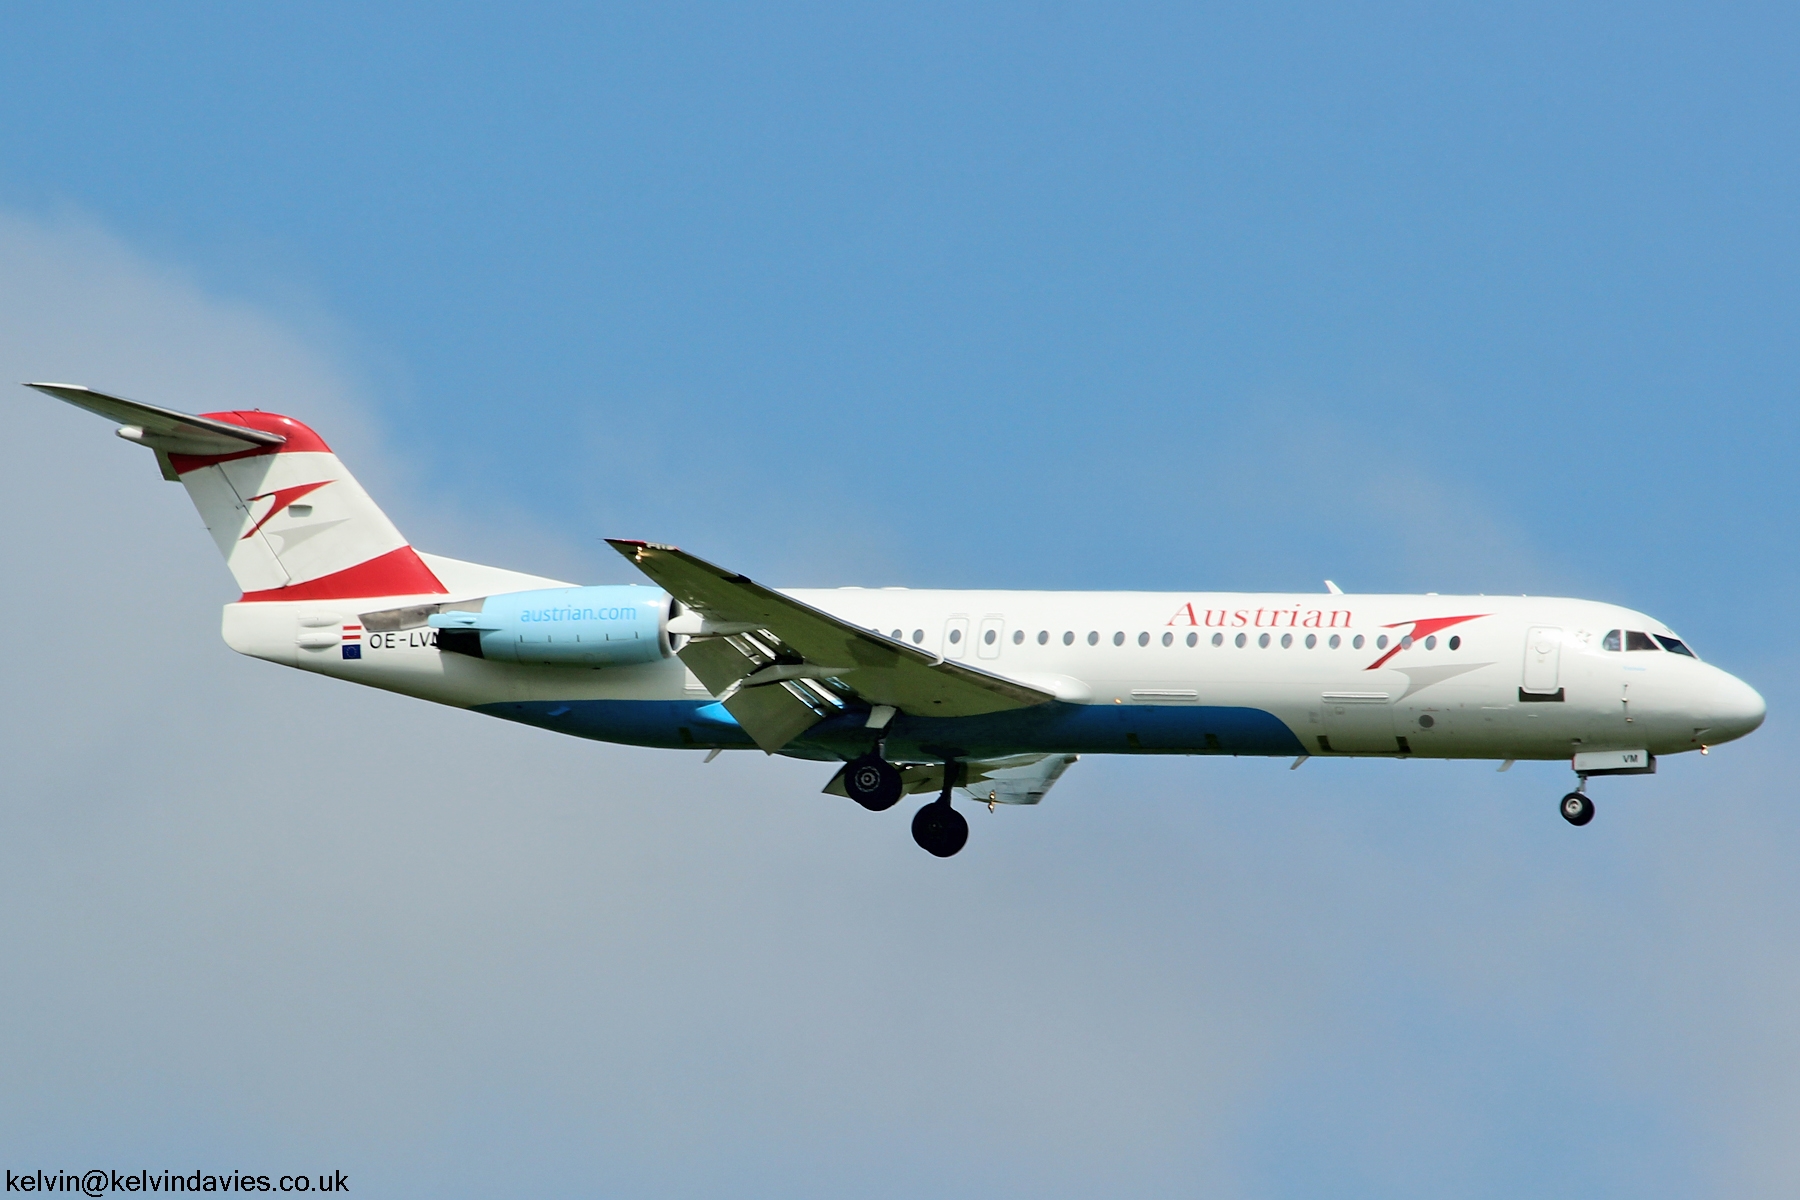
(576, 627)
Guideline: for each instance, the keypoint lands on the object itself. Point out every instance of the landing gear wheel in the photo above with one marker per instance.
(940, 829)
(872, 782)
(1577, 809)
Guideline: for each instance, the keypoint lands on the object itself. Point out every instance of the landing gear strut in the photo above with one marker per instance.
(938, 828)
(1577, 809)
(872, 782)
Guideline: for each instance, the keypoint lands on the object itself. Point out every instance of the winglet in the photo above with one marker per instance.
(1333, 588)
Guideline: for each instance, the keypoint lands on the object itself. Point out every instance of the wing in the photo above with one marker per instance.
(162, 429)
(774, 656)
(1016, 779)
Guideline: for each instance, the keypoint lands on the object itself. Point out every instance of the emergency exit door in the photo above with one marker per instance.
(988, 640)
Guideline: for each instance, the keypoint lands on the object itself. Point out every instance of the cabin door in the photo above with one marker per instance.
(1543, 660)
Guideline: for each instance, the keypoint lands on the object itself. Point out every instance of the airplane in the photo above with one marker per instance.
(983, 696)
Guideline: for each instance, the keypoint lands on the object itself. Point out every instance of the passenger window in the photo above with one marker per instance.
(1118, 639)
(1194, 639)
(1263, 641)
(1218, 639)
(1312, 639)
(1093, 637)
(1456, 643)
(1287, 641)
(955, 636)
(1675, 646)
(1356, 643)
(1143, 639)
(918, 636)
(1611, 640)
(1168, 639)
(1240, 641)
(1639, 641)
(896, 635)
(1043, 637)
(1069, 638)
(1335, 641)
(1018, 637)
(1431, 642)
(1381, 642)
(987, 637)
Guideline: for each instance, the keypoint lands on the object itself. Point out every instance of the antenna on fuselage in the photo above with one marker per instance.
(1333, 588)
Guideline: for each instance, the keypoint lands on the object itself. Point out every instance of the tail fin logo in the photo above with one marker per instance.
(280, 498)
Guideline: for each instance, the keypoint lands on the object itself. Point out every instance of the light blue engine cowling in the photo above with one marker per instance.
(583, 626)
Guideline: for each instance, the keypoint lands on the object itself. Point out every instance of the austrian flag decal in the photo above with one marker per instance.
(353, 641)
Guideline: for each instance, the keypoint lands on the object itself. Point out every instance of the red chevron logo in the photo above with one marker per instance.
(281, 497)
(1424, 627)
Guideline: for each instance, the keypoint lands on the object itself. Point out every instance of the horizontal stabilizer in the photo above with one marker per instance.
(163, 429)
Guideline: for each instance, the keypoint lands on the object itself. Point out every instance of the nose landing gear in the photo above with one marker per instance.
(1577, 809)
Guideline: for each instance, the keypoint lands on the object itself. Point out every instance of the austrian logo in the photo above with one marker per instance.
(1315, 618)
(1262, 618)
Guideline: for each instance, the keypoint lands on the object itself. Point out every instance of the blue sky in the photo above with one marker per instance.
(1031, 296)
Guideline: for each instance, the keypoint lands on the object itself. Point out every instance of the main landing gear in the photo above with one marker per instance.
(872, 782)
(938, 828)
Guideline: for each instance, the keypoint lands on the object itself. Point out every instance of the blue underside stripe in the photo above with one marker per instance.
(1047, 728)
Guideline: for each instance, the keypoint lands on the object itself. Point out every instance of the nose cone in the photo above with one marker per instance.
(1734, 709)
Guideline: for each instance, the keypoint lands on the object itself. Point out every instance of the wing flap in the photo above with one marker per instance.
(1015, 779)
(715, 662)
(773, 715)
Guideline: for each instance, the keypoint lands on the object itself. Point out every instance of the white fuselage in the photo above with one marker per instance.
(1499, 677)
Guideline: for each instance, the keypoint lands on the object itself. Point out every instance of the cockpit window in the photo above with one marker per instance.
(1675, 646)
(1611, 640)
(1639, 641)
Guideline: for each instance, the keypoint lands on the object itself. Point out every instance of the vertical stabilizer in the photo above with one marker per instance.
(292, 523)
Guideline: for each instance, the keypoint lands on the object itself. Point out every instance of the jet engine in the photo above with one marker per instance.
(576, 627)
